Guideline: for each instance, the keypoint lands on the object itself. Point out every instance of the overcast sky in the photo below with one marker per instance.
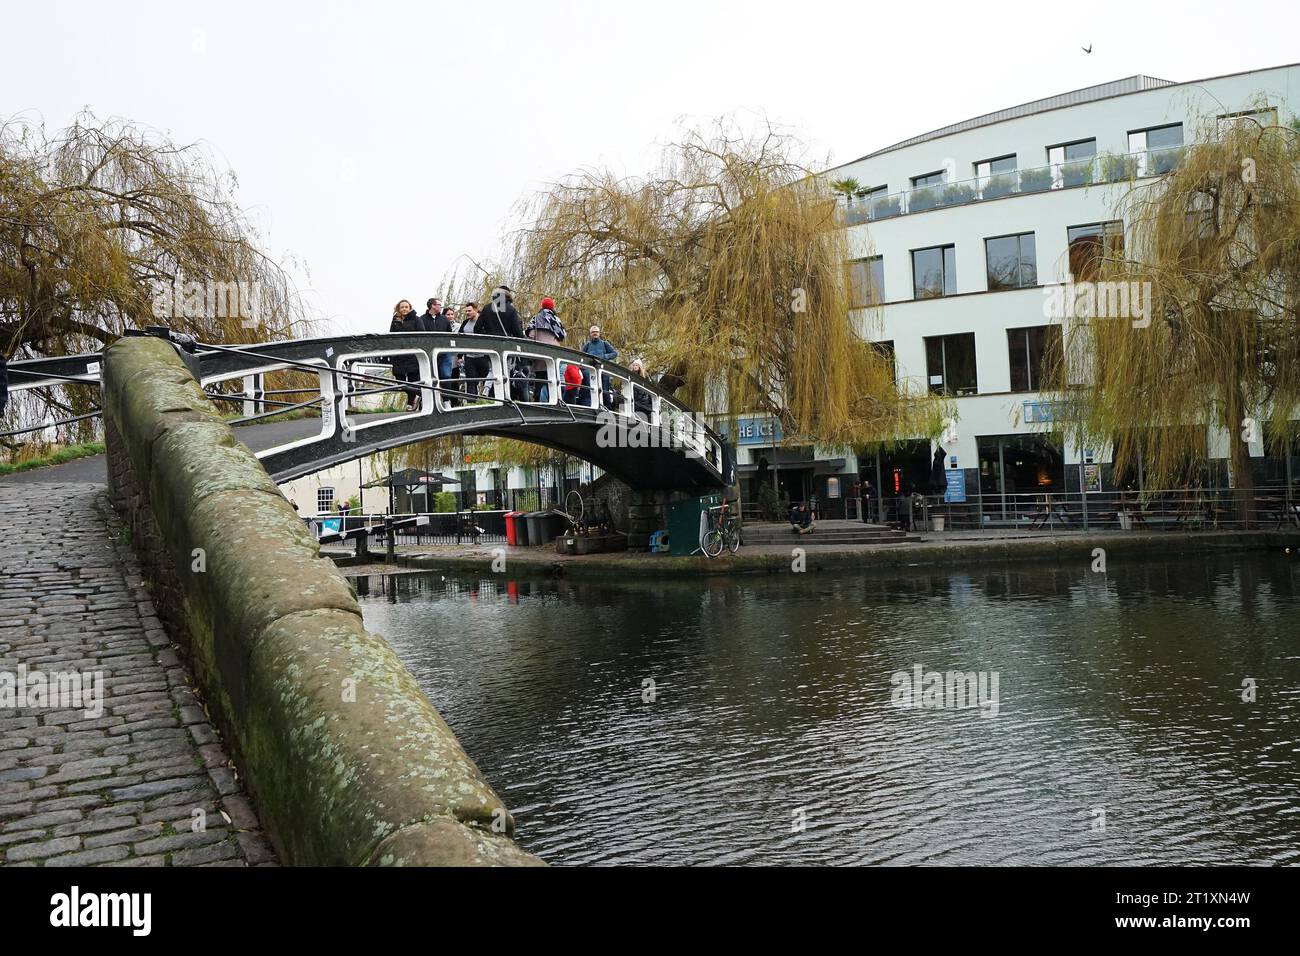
(379, 142)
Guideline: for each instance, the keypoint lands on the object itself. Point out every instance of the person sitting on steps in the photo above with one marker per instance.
(801, 520)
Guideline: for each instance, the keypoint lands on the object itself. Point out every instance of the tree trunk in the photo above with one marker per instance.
(1243, 483)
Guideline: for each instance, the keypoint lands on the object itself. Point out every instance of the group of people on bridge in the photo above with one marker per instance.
(471, 375)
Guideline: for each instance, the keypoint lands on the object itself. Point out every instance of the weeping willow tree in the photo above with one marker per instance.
(106, 226)
(460, 452)
(724, 268)
(1215, 244)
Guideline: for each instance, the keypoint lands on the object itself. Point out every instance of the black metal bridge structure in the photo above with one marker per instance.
(620, 422)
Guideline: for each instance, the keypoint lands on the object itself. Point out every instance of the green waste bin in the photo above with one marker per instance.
(684, 522)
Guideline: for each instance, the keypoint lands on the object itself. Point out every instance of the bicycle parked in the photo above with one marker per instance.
(722, 532)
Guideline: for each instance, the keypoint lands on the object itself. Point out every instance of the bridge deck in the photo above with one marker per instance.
(120, 788)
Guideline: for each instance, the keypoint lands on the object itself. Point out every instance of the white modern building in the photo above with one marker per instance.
(957, 236)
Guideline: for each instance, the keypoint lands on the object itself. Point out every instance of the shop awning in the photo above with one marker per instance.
(412, 478)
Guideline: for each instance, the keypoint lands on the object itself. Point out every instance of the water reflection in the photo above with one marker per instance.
(1121, 695)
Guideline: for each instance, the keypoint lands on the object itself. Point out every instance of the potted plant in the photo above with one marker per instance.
(887, 207)
(1077, 173)
(958, 193)
(849, 186)
(1002, 184)
(1035, 180)
(918, 200)
(1117, 167)
(856, 213)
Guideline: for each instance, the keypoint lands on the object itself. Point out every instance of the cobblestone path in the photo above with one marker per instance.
(138, 780)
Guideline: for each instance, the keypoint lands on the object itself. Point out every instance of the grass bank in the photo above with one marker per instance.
(56, 457)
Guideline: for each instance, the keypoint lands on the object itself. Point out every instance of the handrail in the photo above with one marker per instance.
(1100, 169)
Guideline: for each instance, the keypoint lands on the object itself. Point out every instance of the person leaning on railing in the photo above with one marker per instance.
(435, 319)
(546, 327)
(642, 402)
(406, 368)
(500, 318)
(599, 348)
(477, 367)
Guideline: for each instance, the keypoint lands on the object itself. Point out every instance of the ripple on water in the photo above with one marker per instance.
(750, 721)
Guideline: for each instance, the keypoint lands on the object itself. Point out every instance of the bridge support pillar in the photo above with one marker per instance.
(645, 515)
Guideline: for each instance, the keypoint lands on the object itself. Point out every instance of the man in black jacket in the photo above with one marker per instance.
(432, 315)
(499, 316)
(434, 321)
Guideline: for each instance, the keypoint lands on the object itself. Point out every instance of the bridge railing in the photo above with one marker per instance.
(470, 526)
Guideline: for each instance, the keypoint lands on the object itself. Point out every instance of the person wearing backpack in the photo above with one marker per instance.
(499, 316)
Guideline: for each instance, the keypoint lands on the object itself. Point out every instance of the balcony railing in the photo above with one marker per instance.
(1107, 168)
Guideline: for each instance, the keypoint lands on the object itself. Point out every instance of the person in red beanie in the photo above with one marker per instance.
(545, 326)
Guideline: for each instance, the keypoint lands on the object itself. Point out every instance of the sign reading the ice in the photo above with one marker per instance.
(757, 431)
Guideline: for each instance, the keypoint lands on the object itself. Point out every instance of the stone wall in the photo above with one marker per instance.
(637, 514)
(346, 758)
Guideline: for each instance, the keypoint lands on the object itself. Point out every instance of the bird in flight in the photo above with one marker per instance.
(1086, 49)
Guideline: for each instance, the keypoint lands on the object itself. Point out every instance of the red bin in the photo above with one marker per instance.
(510, 526)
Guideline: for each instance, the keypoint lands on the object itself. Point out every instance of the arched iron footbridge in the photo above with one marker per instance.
(622, 423)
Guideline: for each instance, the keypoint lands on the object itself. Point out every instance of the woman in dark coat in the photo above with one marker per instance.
(406, 368)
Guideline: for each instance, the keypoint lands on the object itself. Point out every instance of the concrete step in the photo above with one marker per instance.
(828, 532)
(828, 538)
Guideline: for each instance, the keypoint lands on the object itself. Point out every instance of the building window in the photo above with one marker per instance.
(1158, 149)
(886, 351)
(950, 364)
(929, 179)
(990, 167)
(871, 195)
(1072, 163)
(996, 177)
(324, 500)
(1011, 262)
(1034, 353)
(1072, 152)
(1261, 117)
(934, 272)
(866, 282)
(1090, 244)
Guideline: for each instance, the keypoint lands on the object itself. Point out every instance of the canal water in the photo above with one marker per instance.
(766, 720)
